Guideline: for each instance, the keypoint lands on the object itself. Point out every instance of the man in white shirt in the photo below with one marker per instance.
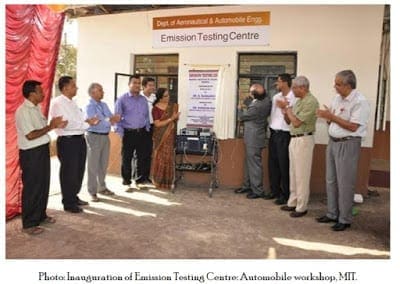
(34, 157)
(278, 146)
(348, 120)
(71, 145)
(148, 90)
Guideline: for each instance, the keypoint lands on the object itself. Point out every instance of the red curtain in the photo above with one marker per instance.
(33, 35)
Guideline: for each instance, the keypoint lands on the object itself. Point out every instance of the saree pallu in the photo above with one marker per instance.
(163, 163)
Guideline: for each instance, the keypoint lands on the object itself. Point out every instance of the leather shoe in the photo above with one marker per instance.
(106, 191)
(141, 180)
(74, 209)
(49, 220)
(242, 190)
(94, 198)
(325, 219)
(81, 202)
(36, 230)
(129, 189)
(340, 226)
(252, 195)
(288, 208)
(296, 214)
(280, 201)
(270, 196)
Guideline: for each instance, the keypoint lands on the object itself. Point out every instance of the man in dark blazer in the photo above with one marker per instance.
(254, 114)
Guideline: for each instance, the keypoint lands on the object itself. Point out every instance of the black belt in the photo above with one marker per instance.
(35, 148)
(341, 139)
(97, 133)
(137, 130)
(302, 134)
(279, 131)
(71, 136)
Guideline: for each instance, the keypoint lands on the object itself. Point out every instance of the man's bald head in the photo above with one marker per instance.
(257, 91)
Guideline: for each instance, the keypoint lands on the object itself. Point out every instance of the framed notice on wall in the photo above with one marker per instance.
(202, 94)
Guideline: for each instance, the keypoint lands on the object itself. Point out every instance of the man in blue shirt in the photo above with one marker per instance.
(134, 123)
(98, 142)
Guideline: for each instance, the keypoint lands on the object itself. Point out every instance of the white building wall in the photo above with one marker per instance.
(327, 39)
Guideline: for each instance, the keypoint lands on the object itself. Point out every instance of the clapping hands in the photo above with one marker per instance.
(93, 120)
(175, 115)
(282, 103)
(324, 113)
(58, 122)
(115, 118)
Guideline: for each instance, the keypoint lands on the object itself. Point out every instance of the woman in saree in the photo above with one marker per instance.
(165, 115)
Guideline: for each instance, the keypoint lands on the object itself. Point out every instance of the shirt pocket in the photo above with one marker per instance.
(343, 111)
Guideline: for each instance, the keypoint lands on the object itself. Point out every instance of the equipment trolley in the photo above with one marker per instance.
(196, 153)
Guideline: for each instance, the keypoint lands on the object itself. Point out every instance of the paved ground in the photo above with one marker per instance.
(187, 224)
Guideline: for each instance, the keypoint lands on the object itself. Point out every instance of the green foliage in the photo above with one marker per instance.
(66, 64)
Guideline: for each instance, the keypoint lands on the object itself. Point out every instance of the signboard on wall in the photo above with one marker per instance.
(228, 29)
(202, 93)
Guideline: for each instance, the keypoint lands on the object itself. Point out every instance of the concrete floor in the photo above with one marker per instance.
(187, 224)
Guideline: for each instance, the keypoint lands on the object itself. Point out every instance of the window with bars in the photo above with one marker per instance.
(163, 68)
(262, 68)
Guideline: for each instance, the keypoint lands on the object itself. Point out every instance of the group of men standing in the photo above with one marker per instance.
(73, 146)
(293, 114)
(293, 117)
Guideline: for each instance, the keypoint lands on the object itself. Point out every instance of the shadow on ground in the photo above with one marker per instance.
(188, 224)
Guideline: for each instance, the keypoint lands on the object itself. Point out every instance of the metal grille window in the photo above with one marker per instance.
(262, 68)
(162, 67)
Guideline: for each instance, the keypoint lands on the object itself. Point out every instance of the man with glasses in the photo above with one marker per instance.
(348, 120)
(98, 142)
(302, 121)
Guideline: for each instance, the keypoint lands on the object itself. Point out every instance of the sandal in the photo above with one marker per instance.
(106, 191)
(33, 230)
(95, 198)
(49, 220)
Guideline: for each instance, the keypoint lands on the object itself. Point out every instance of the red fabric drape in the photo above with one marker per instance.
(33, 35)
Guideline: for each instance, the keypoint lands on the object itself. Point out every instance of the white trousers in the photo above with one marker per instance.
(300, 161)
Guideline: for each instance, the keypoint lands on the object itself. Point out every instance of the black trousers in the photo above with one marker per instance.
(35, 165)
(134, 141)
(71, 151)
(278, 163)
(147, 152)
